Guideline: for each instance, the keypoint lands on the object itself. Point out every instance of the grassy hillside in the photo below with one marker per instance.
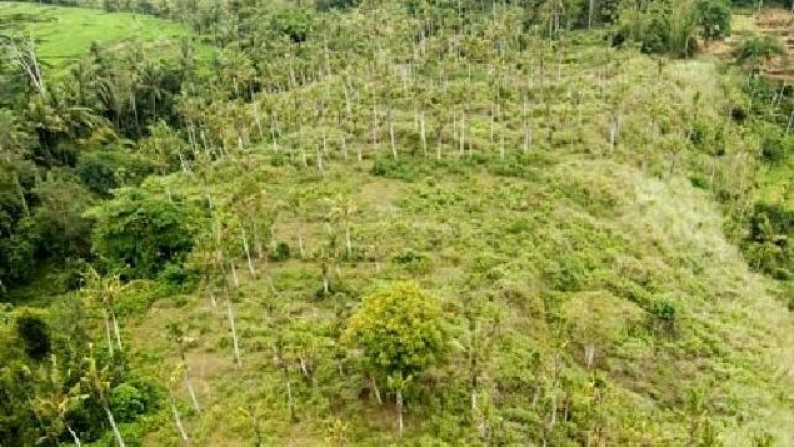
(576, 245)
(65, 34)
(584, 215)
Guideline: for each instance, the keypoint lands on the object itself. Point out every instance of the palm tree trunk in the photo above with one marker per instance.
(590, 14)
(399, 404)
(234, 275)
(258, 120)
(21, 193)
(422, 132)
(107, 332)
(178, 420)
(191, 391)
(348, 242)
(74, 436)
(300, 240)
(235, 344)
(290, 403)
(248, 254)
(326, 279)
(391, 135)
(116, 329)
(376, 390)
(257, 428)
(135, 112)
(273, 132)
(212, 298)
(113, 426)
(463, 133)
(374, 127)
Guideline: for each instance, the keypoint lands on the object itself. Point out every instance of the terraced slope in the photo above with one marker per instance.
(63, 34)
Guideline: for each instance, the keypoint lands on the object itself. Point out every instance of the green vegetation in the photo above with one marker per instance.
(401, 334)
(758, 48)
(418, 222)
(673, 27)
(65, 34)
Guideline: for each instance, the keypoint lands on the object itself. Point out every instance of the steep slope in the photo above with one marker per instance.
(575, 208)
(622, 315)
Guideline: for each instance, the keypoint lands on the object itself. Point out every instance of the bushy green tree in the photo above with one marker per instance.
(713, 18)
(401, 332)
(127, 402)
(399, 329)
(140, 233)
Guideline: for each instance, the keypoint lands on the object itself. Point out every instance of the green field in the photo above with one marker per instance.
(64, 34)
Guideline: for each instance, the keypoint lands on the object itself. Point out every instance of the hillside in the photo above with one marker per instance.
(398, 223)
(570, 249)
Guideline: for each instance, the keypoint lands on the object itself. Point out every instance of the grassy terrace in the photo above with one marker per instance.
(63, 34)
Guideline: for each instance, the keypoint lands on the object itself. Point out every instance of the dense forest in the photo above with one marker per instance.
(396, 222)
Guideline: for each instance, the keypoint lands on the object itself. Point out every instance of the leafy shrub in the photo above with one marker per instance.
(757, 48)
(281, 253)
(776, 146)
(568, 273)
(180, 274)
(520, 225)
(133, 435)
(767, 247)
(699, 181)
(390, 168)
(769, 220)
(127, 402)
(35, 335)
(664, 311)
(738, 114)
(412, 261)
(140, 294)
(294, 24)
(773, 151)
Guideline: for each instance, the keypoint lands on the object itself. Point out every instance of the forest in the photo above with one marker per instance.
(396, 222)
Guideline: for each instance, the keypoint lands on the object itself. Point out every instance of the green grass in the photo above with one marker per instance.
(64, 34)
